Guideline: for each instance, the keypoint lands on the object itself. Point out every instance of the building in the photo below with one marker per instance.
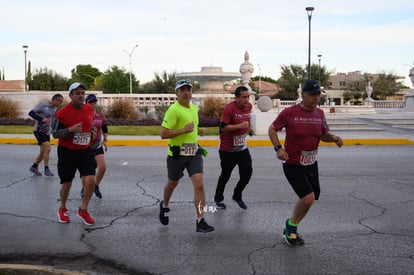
(11, 85)
(340, 81)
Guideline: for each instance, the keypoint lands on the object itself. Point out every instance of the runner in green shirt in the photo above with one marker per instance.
(180, 126)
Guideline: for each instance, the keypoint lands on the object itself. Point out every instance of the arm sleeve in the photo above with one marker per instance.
(59, 130)
(33, 115)
(105, 129)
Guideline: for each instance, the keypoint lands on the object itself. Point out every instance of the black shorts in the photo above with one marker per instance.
(71, 160)
(176, 166)
(41, 137)
(99, 151)
(303, 179)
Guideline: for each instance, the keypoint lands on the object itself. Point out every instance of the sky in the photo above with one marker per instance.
(185, 35)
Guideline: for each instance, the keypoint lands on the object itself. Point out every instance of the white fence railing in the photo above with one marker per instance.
(397, 105)
(152, 100)
(27, 100)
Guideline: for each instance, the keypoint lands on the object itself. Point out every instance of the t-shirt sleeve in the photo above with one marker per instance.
(226, 117)
(325, 126)
(170, 119)
(280, 121)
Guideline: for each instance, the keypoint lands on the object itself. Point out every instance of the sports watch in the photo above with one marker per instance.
(277, 147)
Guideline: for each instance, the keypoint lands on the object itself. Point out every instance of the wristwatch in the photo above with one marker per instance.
(277, 147)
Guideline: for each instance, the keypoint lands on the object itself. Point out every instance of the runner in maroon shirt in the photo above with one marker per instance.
(234, 127)
(98, 144)
(305, 126)
(73, 127)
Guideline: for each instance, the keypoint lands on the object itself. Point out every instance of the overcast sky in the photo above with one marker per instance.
(184, 35)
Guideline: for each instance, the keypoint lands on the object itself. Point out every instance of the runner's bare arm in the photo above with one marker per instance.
(329, 137)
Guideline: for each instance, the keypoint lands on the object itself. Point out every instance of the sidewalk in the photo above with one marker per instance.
(372, 129)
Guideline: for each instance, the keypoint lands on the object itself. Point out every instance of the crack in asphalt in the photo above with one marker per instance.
(253, 251)
(91, 257)
(382, 212)
(144, 192)
(13, 183)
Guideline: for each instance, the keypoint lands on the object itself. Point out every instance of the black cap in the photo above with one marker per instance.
(311, 86)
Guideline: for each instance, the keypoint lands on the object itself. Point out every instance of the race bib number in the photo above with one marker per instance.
(82, 138)
(308, 157)
(239, 140)
(189, 149)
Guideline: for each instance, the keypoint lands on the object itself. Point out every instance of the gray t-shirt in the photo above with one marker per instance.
(43, 109)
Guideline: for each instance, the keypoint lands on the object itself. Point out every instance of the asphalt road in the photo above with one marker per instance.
(362, 224)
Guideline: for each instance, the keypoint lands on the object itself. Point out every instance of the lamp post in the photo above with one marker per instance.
(25, 47)
(130, 67)
(319, 69)
(309, 10)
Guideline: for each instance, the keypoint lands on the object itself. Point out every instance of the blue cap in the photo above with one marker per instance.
(311, 86)
(181, 83)
(90, 98)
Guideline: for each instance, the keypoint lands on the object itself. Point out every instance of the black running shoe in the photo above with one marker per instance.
(97, 192)
(291, 236)
(240, 203)
(220, 205)
(48, 172)
(35, 171)
(164, 214)
(203, 227)
(299, 240)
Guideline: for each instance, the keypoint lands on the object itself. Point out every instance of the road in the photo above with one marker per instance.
(362, 223)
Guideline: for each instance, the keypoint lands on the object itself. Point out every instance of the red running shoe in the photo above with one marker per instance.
(63, 215)
(86, 218)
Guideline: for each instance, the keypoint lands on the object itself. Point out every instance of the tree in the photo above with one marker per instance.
(355, 90)
(384, 86)
(48, 80)
(162, 83)
(85, 74)
(29, 72)
(293, 76)
(116, 80)
(264, 78)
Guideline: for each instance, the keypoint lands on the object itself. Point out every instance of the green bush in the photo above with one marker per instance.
(8, 108)
(122, 109)
(160, 111)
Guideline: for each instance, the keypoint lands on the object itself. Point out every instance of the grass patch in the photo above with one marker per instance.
(16, 129)
(116, 130)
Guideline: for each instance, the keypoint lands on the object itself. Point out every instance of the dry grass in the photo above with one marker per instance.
(122, 109)
(8, 108)
(213, 107)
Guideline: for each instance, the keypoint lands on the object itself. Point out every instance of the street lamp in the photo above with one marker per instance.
(319, 69)
(25, 47)
(309, 10)
(130, 67)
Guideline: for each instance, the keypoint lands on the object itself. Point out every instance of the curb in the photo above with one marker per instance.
(35, 269)
(215, 142)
